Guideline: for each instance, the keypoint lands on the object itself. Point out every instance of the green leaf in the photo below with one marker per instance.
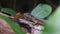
(16, 28)
(52, 25)
(41, 10)
(7, 10)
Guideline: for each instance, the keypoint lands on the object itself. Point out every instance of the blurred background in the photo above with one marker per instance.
(26, 5)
